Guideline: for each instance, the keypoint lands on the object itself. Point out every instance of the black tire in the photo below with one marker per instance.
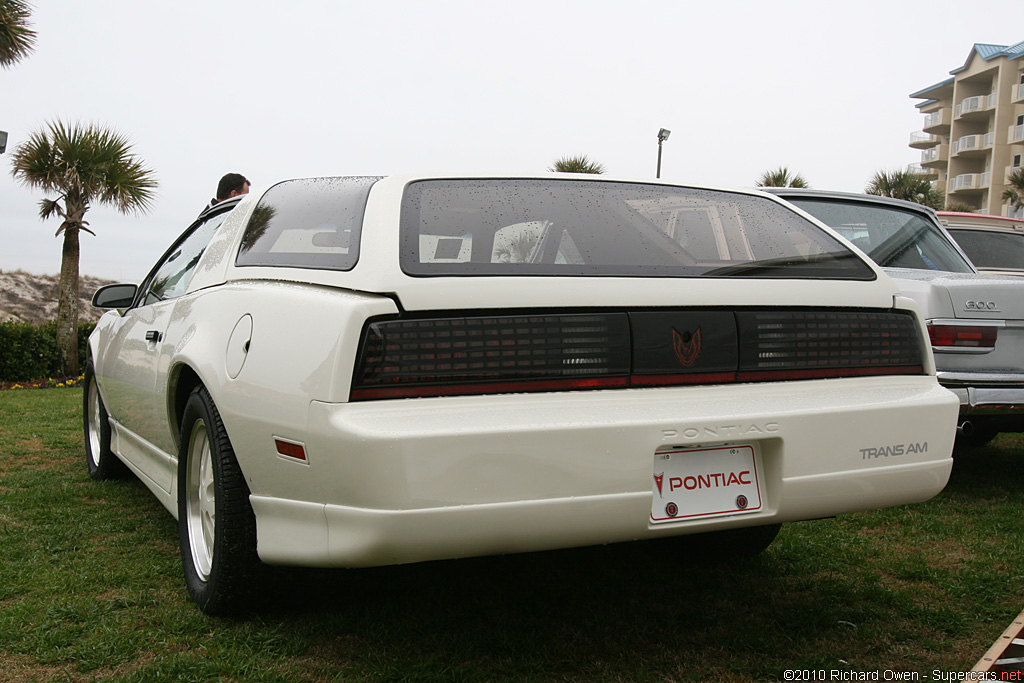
(218, 536)
(103, 464)
(729, 544)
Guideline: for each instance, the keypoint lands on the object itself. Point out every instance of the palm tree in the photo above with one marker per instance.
(17, 39)
(580, 164)
(80, 165)
(904, 184)
(781, 177)
(1015, 193)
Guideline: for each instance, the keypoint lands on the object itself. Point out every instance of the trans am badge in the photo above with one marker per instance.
(686, 346)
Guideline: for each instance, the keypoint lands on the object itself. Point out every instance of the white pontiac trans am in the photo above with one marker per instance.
(364, 371)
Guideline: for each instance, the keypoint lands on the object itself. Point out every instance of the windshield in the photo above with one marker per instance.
(893, 237)
(989, 249)
(576, 227)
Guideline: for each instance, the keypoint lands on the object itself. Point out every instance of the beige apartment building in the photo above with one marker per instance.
(973, 132)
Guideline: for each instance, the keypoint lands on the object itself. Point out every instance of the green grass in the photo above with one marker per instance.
(91, 590)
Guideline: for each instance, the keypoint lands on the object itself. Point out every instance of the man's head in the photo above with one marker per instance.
(232, 185)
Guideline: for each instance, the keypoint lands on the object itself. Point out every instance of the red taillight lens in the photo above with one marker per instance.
(963, 336)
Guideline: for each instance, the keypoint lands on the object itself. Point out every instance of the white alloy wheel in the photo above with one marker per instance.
(95, 417)
(201, 500)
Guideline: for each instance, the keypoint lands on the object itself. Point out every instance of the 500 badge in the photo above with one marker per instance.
(991, 306)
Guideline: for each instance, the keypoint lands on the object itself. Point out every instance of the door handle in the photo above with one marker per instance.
(153, 336)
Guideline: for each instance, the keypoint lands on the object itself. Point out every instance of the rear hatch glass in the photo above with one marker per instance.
(600, 228)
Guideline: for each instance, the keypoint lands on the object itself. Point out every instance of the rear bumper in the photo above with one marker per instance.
(389, 482)
(983, 394)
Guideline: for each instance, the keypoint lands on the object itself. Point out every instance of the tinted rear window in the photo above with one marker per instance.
(578, 227)
(310, 223)
(990, 249)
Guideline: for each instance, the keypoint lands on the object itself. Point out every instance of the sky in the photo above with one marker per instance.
(309, 88)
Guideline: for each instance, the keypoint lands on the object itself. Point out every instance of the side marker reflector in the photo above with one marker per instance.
(290, 450)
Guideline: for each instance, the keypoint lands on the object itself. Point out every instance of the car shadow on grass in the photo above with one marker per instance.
(602, 610)
(866, 591)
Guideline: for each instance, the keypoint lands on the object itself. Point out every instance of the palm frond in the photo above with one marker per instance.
(781, 177)
(1015, 193)
(576, 164)
(905, 184)
(49, 207)
(17, 38)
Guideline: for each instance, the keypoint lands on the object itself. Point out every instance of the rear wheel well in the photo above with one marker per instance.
(185, 381)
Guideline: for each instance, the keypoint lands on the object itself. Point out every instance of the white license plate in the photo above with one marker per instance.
(704, 482)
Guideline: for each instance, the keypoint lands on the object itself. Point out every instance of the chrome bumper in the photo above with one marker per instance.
(986, 393)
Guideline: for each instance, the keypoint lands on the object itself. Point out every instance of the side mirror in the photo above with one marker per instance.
(114, 296)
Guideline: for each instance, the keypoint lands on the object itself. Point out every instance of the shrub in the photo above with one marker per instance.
(29, 352)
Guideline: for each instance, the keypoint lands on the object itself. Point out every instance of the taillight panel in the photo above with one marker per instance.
(483, 354)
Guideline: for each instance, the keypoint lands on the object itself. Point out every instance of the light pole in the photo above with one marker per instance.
(662, 136)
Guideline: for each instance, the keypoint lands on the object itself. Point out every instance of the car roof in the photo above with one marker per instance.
(786, 192)
(962, 220)
(378, 270)
(220, 207)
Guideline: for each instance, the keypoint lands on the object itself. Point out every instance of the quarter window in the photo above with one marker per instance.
(312, 223)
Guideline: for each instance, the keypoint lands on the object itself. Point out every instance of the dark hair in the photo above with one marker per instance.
(232, 181)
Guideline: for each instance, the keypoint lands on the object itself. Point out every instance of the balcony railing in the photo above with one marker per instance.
(921, 139)
(1016, 134)
(976, 103)
(1018, 93)
(918, 169)
(937, 118)
(936, 156)
(970, 181)
(974, 142)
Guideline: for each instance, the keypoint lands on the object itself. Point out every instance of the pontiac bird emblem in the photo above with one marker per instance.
(658, 479)
(686, 346)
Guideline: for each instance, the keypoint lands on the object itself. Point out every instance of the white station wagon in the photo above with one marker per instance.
(364, 371)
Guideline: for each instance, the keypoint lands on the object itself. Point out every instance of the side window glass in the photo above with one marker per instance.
(171, 277)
